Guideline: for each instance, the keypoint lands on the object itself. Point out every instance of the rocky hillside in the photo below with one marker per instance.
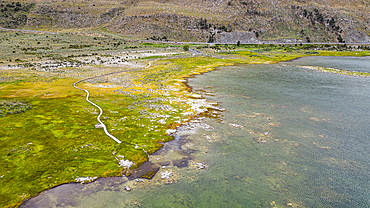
(201, 20)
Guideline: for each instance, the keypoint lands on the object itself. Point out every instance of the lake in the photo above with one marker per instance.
(289, 136)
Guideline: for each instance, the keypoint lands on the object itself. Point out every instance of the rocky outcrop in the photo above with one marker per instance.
(356, 36)
(234, 37)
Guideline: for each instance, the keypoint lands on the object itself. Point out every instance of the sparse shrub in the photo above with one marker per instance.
(185, 47)
(340, 39)
(211, 38)
(257, 34)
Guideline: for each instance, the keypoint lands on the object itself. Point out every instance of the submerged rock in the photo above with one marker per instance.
(127, 188)
(166, 175)
(146, 170)
(273, 124)
(181, 163)
(260, 140)
(87, 179)
(200, 165)
(237, 126)
(139, 180)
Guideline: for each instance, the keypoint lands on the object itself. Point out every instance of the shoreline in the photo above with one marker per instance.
(187, 88)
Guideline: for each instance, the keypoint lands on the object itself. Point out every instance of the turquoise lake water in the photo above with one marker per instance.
(289, 136)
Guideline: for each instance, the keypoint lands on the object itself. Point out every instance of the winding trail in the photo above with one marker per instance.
(98, 118)
(100, 109)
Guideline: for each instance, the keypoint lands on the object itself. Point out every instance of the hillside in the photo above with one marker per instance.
(199, 20)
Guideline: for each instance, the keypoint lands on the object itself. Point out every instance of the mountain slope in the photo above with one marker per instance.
(202, 20)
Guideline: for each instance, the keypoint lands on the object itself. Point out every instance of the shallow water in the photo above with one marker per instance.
(289, 136)
(360, 64)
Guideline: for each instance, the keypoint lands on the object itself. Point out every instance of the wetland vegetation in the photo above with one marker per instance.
(48, 135)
